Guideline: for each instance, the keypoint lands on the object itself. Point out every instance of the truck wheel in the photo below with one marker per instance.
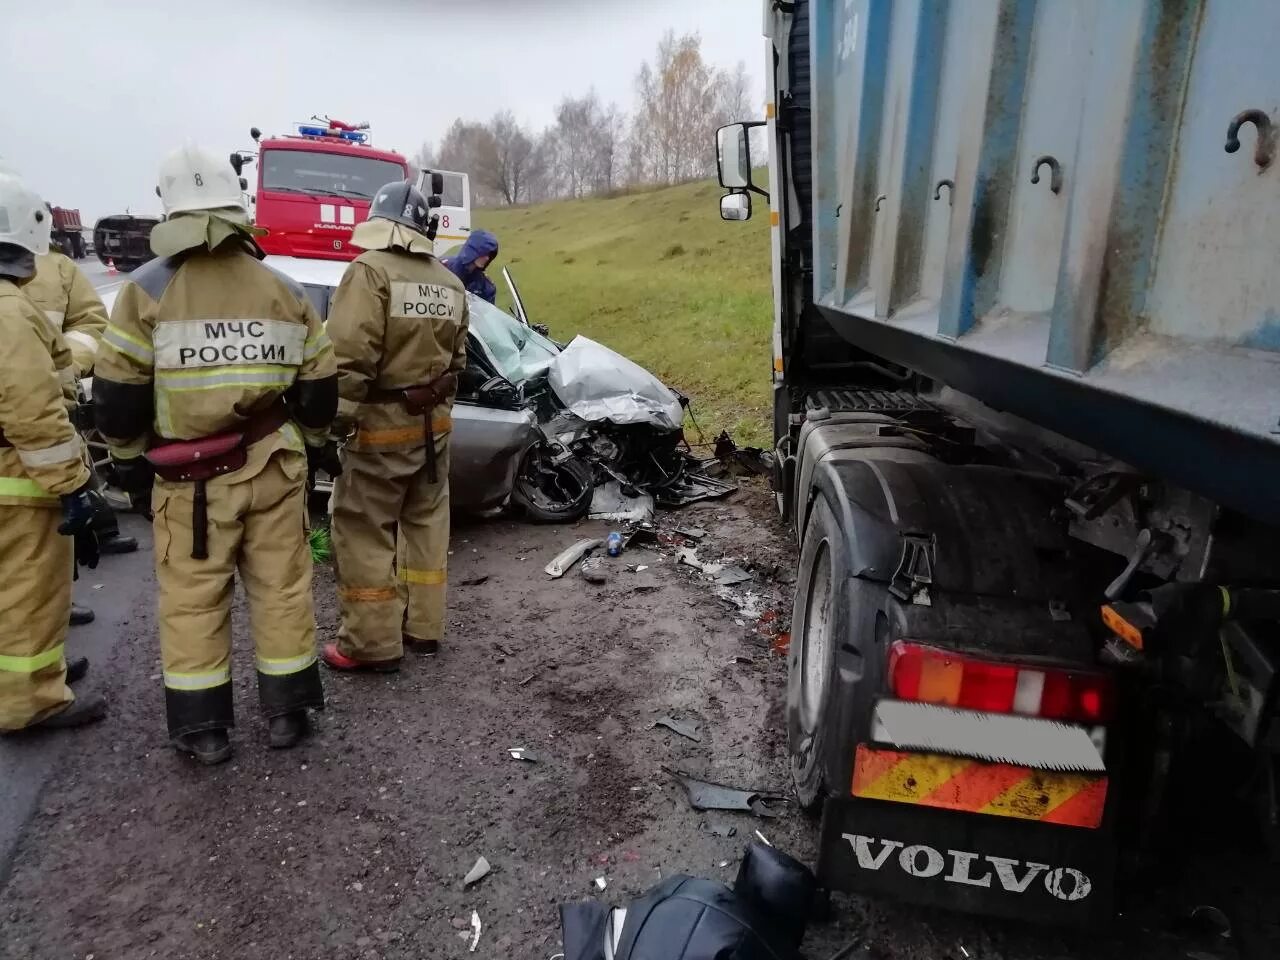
(818, 622)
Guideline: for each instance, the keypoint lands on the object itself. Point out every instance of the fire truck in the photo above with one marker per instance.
(316, 184)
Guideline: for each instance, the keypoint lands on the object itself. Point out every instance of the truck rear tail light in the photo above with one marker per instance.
(931, 675)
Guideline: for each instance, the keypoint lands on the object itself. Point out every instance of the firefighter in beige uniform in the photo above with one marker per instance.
(398, 322)
(73, 308)
(41, 468)
(216, 367)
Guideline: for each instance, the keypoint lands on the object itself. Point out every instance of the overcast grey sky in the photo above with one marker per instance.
(96, 92)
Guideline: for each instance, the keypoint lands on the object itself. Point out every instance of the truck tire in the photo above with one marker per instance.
(817, 624)
(839, 634)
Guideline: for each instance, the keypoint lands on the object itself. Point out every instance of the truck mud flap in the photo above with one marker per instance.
(969, 862)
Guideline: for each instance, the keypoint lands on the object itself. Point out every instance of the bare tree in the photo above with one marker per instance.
(682, 99)
(425, 158)
(593, 148)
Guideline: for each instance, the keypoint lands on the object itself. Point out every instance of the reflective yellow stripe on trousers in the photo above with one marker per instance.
(422, 578)
(22, 487)
(197, 681)
(32, 664)
(283, 666)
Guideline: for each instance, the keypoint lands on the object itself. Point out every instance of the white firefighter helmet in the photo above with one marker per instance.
(193, 179)
(24, 220)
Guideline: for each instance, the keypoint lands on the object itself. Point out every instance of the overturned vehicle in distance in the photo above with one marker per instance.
(124, 241)
(557, 431)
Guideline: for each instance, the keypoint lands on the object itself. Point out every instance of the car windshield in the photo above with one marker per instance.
(519, 352)
(327, 174)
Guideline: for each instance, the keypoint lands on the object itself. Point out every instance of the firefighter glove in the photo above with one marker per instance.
(324, 457)
(79, 510)
(134, 476)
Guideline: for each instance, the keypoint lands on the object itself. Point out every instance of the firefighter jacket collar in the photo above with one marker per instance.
(380, 234)
(207, 229)
(16, 264)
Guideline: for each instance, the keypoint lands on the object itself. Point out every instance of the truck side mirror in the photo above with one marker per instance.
(735, 206)
(244, 184)
(255, 133)
(237, 163)
(437, 183)
(733, 156)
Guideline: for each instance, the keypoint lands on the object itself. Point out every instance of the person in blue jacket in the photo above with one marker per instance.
(468, 265)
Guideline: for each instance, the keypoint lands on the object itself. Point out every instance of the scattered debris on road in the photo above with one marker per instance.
(522, 753)
(738, 461)
(475, 931)
(567, 558)
(477, 873)
(764, 914)
(687, 730)
(593, 570)
(705, 795)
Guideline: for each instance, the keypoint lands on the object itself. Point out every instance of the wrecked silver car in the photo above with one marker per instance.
(540, 426)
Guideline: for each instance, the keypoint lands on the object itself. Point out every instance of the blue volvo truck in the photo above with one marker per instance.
(1026, 262)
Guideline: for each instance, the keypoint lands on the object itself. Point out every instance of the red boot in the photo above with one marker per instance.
(340, 661)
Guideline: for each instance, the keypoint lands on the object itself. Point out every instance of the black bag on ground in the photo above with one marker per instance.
(686, 918)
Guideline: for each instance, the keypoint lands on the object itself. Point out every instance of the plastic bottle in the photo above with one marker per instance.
(613, 544)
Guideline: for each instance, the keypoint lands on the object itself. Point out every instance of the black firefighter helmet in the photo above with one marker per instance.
(402, 202)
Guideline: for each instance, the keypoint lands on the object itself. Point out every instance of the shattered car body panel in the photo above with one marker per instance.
(600, 385)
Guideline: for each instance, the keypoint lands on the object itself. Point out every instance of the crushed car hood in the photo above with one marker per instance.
(601, 385)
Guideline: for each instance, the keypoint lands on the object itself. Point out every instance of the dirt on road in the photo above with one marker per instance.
(355, 845)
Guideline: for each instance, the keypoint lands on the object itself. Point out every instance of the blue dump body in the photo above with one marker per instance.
(1069, 209)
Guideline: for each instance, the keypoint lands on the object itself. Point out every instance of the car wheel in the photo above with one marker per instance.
(550, 492)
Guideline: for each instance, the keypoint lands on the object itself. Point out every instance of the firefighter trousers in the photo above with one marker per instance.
(35, 607)
(390, 548)
(257, 526)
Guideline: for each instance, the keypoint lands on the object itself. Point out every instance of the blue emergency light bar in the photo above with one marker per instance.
(353, 136)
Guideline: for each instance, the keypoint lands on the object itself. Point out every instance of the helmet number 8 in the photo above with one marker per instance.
(198, 179)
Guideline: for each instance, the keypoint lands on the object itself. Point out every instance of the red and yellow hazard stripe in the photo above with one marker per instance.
(962, 783)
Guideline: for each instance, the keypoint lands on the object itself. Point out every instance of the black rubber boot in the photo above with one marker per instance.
(115, 544)
(289, 730)
(423, 648)
(77, 667)
(80, 615)
(207, 746)
(87, 708)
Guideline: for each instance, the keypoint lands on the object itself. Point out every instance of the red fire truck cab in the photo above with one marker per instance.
(315, 185)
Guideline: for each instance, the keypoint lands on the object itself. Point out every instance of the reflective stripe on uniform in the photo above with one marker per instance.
(31, 664)
(55, 318)
(439, 425)
(185, 381)
(293, 436)
(50, 456)
(185, 344)
(197, 681)
(84, 339)
(422, 578)
(128, 451)
(283, 666)
(367, 594)
(129, 345)
(22, 487)
(315, 346)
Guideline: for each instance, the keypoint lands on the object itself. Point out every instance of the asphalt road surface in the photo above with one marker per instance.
(102, 281)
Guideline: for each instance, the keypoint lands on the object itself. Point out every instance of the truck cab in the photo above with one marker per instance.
(315, 186)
